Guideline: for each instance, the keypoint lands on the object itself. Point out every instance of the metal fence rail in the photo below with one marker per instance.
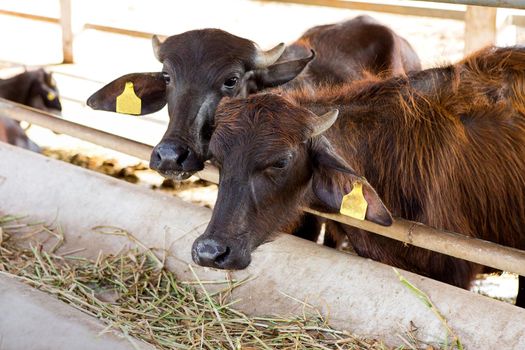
(450, 243)
(517, 4)
(479, 17)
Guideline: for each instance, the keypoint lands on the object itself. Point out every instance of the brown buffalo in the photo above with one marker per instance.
(200, 67)
(444, 146)
(351, 50)
(35, 89)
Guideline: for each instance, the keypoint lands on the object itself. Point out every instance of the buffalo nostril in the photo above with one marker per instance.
(220, 259)
(168, 156)
(154, 159)
(182, 155)
(211, 253)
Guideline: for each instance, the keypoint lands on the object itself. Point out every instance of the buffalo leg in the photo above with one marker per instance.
(309, 228)
(334, 234)
(330, 240)
(520, 299)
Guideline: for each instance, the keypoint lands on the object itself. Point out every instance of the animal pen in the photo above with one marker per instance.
(286, 276)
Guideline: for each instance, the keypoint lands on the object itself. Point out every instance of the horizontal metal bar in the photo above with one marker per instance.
(517, 4)
(411, 10)
(118, 143)
(23, 113)
(383, 6)
(450, 243)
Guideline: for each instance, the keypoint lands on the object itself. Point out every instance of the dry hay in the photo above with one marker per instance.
(193, 190)
(109, 167)
(130, 294)
(129, 173)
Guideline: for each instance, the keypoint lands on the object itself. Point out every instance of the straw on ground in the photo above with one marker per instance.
(131, 294)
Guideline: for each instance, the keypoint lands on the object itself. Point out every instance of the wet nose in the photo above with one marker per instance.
(168, 157)
(208, 252)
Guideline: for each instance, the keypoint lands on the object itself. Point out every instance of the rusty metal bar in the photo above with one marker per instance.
(121, 144)
(23, 113)
(517, 4)
(383, 6)
(450, 243)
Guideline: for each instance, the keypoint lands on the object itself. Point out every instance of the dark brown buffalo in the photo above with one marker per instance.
(200, 67)
(35, 89)
(351, 50)
(444, 146)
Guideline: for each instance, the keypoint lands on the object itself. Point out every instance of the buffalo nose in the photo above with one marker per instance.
(208, 252)
(167, 156)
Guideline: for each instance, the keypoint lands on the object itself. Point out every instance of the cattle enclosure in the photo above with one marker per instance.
(453, 244)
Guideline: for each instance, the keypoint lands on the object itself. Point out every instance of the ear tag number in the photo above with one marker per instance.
(51, 96)
(354, 203)
(128, 102)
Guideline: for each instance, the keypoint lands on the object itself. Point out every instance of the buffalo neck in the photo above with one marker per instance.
(390, 133)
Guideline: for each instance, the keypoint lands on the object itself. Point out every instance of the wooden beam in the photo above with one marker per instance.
(413, 233)
(28, 16)
(121, 31)
(480, 28)
(66, 23)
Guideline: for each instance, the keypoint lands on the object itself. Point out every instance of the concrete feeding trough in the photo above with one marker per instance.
(356, 294)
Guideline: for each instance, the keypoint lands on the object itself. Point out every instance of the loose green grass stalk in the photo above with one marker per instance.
(456, 343)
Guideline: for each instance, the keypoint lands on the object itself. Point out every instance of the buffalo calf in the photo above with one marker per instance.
(200, 67)
(444, 146)
(35, 89)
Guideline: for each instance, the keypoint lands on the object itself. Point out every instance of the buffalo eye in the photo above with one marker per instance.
(166, 77)
(281, 163)
(231, 82)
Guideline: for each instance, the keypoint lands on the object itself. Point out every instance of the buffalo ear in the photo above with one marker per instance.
(278, 73)
(149, 87)
(377, 211)
(324, 156)
(333, 178)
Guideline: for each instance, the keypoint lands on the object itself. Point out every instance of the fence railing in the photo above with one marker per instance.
(413, 233)
(480, 28)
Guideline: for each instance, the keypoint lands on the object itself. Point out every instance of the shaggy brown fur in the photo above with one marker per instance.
(445, 147)
(347, 51)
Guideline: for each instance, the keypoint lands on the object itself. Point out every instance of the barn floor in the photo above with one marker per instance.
(101, 57)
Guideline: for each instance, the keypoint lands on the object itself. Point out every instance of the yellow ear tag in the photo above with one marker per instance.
(128, 102)
(51, 96)
(354, 204)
